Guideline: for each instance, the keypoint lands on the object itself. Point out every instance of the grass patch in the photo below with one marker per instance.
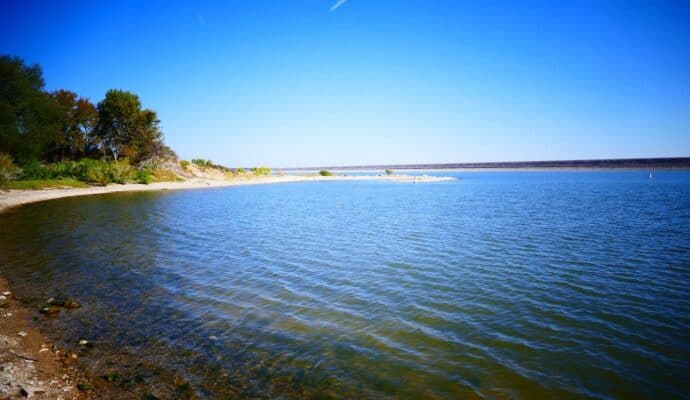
(37, 184)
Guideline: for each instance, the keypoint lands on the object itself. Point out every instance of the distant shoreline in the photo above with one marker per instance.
(13, 198)
(669, 163)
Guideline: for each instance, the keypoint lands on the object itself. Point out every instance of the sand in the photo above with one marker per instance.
(14, 198)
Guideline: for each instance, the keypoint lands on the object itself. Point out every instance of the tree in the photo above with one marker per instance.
(75, 138)
(127, 130)
(29, 118)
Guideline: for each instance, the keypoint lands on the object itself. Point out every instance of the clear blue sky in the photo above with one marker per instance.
(304, 83)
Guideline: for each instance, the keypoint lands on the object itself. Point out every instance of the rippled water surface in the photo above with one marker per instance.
(498, 285)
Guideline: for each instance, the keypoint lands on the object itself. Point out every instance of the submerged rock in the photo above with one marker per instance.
(49, 310)
(64, 302)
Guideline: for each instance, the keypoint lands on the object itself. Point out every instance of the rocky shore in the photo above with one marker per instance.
(30, 366)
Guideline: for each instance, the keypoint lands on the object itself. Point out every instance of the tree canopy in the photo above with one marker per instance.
(37, 125)
(29, 118)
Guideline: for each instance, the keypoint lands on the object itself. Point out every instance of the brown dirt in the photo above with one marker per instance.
(30, 366)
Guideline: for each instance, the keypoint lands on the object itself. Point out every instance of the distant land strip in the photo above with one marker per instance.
(677, 163)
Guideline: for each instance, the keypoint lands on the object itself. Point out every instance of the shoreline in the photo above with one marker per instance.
(13, 198)
(30, 365)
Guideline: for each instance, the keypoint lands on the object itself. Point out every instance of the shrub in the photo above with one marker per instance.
(121, 172)
(200, 162)
(261, 170)
(239, 170)
(184, 164)
(144, 176)
(33, 170)
(8, 171)
(389, 171)
(324, 172)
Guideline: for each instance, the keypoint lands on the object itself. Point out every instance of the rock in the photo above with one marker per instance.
(43, 349)
(71, 304)
(49, 310)
(22, 334)
(83, 342)
(213, 337)
(23, 392)
(6, 293)
(3, 297)
(63, 302)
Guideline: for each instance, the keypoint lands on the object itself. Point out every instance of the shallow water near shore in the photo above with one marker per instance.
(500, 285)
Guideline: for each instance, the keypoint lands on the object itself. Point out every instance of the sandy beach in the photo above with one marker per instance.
(14, 198)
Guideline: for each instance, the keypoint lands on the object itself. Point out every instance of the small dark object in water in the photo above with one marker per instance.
(62, 302)
(71, 304)
(49, 310)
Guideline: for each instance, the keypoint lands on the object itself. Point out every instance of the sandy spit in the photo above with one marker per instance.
(14, 198)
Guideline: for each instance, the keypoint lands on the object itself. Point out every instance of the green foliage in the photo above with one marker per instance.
(127, 130)
(324, 172)
(261, 170)
(37, 125)
(144, 176)
(389, 171)
(28, 116)
(184, 164)
(86, 170)
(46, 184)
(8, 171)
(200, 162)
(240, 170)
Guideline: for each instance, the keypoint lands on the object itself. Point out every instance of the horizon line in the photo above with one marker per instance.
(635, 162)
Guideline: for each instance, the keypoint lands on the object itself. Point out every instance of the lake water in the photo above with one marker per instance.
(498, 285)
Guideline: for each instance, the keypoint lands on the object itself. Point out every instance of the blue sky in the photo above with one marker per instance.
(304, 83)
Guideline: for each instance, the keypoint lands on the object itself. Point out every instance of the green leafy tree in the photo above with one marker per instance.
(126, 130)
(29, 118)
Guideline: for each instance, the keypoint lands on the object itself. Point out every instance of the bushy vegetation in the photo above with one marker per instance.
(61, 125)
(261, 170)
(84, 142)
(86, 170)
(8, 171)
(324, 172)
(240, 170)
(46, 184)
(64, 137)
(389, 171)
(201, 163)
